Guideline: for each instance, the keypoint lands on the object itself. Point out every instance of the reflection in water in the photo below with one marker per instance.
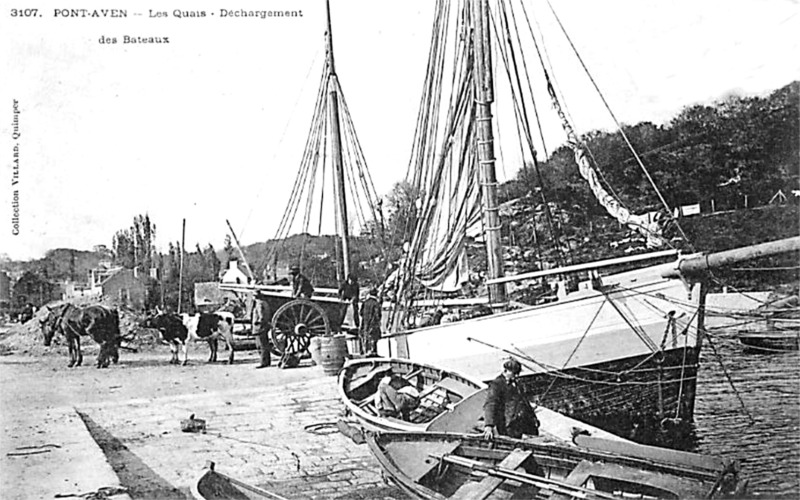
(758, 423)
(767, 441)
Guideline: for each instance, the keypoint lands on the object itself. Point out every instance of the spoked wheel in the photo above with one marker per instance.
(295, 322)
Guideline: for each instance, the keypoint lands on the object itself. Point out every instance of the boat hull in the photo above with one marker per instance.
(358, 383)
(213, 485)
(638, 398)
(626, 353)
(449, 465)
(770, 342)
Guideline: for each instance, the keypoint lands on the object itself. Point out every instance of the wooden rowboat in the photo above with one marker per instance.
(438, 466)
(214, 485)
(768, 342)
(441, 391)
(450, 402)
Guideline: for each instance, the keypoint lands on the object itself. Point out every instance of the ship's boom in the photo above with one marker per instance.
(696, 265)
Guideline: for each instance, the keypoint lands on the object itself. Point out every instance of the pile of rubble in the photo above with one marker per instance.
(26, 338)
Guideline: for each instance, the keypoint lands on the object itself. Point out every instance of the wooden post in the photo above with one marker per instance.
(180, 272)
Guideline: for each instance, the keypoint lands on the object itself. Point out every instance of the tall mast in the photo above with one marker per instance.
(486, 171)
(336, 147)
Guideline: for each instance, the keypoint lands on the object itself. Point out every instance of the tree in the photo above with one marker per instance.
(401, 204)
(134, 247)
(144, 235)
(123, 247)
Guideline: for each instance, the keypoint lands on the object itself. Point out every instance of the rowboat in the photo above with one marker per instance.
(449, 402)
(440, 392)
(770, 341)
(433, 465)
(214, 485)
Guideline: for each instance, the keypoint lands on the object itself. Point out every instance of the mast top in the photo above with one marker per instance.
(329, 39)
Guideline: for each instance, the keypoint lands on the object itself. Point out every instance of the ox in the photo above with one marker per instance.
(181, 330)
(99, 322)
(209, 327)
(171, 330)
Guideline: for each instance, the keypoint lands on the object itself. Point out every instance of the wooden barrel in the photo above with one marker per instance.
(315, 349)
(333, 352)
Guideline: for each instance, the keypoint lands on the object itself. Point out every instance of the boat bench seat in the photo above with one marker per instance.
(368, 377)
(455, 386)
(437, 397)
(432, 402)
(473, 490)
(577, 477)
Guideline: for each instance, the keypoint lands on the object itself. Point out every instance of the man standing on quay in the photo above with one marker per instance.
(348, 294)
(370, 329)
(261, 326)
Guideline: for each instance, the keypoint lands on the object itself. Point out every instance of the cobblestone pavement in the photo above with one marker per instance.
(122, 427)
(282, 438)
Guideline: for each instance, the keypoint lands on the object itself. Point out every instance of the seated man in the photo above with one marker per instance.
(396, 397)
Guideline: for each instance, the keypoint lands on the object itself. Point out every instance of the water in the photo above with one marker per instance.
(768, 448)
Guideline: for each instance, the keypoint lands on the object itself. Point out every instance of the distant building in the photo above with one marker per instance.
(234, 275)
(71, 289)
(102, 272)
(126, 288)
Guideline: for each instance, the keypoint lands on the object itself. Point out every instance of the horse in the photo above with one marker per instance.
(99, 322)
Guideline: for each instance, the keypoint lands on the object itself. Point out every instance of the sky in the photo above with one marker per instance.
(211, 126)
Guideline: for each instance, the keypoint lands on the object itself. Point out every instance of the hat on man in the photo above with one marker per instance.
(294, 269)
(513, 366)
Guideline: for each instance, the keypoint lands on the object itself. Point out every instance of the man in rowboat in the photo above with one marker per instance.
(396, 397)
(507, 411)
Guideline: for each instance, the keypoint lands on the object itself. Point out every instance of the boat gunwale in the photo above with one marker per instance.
(385, 423)
(630, 290)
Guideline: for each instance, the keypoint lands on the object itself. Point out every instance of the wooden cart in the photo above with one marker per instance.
(295, 321)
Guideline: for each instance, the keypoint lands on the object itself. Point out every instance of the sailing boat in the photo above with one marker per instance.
(332, 161)
(621, 351)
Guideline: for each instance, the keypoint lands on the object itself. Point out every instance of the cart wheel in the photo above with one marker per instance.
(295, 322)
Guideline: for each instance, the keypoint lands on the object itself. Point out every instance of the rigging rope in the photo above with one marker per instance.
(523, 121)
(619, 126)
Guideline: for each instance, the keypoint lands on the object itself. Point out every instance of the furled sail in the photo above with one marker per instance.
(648, 225)
(443, 167)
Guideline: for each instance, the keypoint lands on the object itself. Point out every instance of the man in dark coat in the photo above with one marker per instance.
(348, 294)
(507, 410)
(301, 286)
(261, 326)
(370, 329)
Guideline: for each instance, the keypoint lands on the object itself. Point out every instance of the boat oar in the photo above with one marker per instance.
(554, 485)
